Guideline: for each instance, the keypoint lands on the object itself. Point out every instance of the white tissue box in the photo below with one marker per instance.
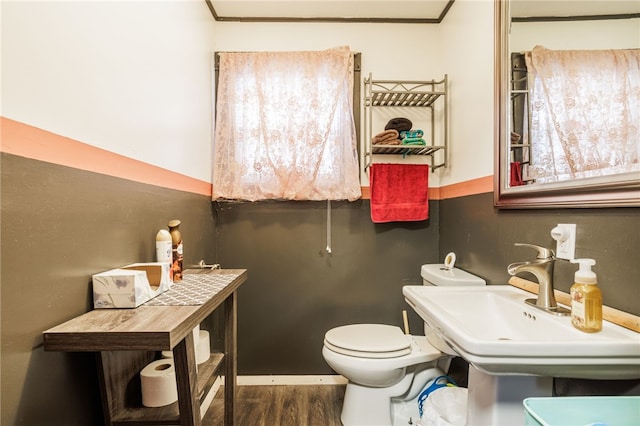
(130, 286)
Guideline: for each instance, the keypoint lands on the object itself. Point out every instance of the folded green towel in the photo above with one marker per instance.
(417, 133)
(413, 141)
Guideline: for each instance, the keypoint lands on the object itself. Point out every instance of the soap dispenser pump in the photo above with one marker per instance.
(586, 298)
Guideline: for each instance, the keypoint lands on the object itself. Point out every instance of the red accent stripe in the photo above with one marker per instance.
(470, 187)
(31, 142)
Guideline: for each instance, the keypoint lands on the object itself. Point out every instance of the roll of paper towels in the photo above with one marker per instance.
(158, 380)
(203, 350)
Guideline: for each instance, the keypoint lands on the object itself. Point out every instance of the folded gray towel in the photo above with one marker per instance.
(399, 123)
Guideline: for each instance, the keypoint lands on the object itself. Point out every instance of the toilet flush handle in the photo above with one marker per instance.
(450, 260)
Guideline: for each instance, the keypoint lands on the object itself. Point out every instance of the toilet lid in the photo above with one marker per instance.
(368, 340)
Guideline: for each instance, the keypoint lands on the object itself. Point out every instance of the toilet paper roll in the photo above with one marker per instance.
(196, 335)
(203, 350)
(158, 380)
(196, 342)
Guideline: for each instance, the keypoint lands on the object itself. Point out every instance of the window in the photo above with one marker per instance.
(285, 126)
(585, 110)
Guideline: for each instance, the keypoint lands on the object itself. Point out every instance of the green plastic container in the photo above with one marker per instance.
(583, 411)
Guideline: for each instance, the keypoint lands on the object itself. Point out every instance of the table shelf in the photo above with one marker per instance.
(125, 340)
(170, 414)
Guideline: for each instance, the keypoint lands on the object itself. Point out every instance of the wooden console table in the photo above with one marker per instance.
(126, 340)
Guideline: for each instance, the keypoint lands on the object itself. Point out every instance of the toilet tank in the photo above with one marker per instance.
(438, 274)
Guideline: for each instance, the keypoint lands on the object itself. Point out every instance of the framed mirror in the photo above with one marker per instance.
(525, 173)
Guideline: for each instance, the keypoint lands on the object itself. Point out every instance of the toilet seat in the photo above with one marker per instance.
(368, 341)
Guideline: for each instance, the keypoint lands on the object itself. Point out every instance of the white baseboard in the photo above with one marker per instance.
(329, 379)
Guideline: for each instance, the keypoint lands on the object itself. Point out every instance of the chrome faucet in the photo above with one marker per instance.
(542, 268)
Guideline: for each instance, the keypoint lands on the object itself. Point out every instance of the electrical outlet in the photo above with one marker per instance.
(565, 235)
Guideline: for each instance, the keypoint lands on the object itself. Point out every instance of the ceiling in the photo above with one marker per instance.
(564, 8)
(425, 11)
(407, 11)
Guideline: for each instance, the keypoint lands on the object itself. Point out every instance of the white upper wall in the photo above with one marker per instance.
(135, 78)
(389, 51)
(461, 46)
(468, 57)
(131, 77)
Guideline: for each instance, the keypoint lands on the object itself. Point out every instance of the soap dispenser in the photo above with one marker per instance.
(586, 298)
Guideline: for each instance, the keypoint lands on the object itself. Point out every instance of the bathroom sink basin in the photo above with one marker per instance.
(497, 332)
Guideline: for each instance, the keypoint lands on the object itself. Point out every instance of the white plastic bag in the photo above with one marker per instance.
(446, 406)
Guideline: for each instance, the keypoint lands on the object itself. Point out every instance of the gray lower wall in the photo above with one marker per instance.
(296, 291)
(61, 225)
(483, 239)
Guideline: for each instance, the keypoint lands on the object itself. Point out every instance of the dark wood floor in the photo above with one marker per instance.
(282, 405)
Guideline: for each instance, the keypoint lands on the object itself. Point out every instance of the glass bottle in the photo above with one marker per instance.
(176, 248)
(164, 249)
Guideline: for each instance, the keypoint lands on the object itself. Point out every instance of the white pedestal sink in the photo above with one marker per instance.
(497, 400)
(514, 349)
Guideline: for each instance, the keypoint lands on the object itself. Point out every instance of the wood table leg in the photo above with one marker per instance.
(231, 361)
(187, 380)
(116, 371)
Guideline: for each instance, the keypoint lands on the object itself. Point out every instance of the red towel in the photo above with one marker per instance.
(515, 178)
(399, 192)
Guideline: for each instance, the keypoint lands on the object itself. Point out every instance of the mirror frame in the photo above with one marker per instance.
(617, 191)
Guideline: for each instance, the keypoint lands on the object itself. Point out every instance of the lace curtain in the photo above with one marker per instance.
(585, 113)
(284, 127)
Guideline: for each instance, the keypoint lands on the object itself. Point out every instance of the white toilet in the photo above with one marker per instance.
(385, 368)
